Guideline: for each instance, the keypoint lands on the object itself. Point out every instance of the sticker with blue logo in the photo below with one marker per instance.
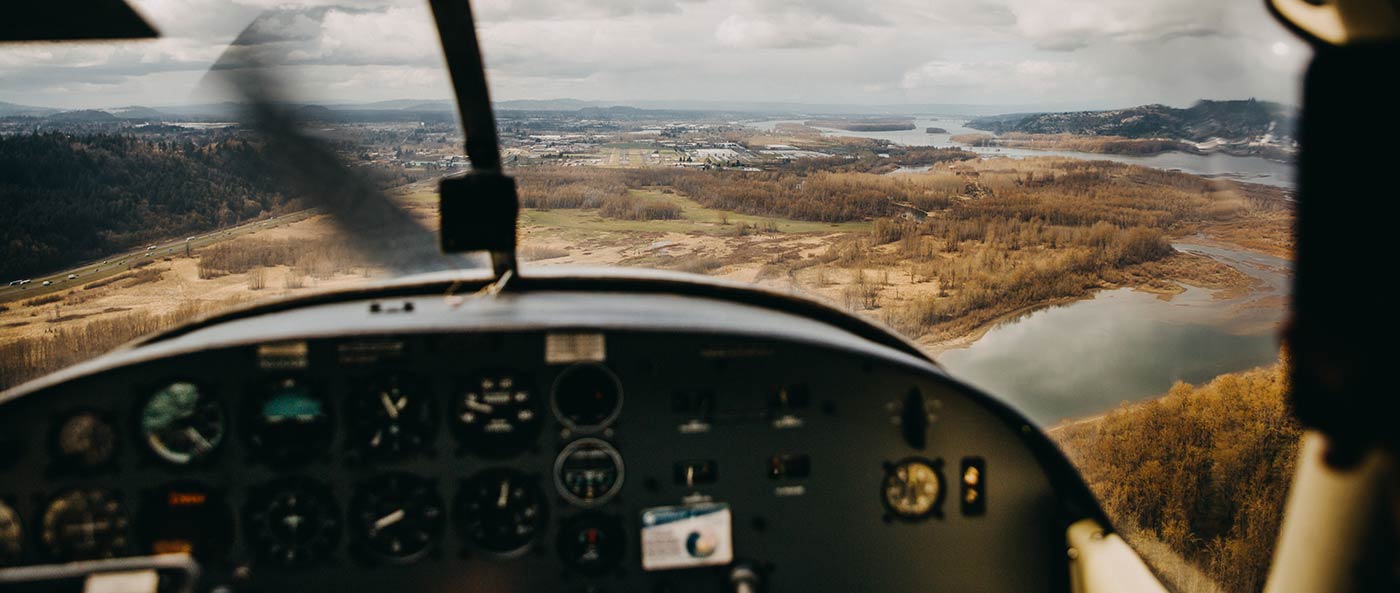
(687, 536)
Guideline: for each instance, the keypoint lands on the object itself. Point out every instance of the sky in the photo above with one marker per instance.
(1055, 53)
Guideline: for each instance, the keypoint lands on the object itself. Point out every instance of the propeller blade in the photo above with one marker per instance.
(375, 227)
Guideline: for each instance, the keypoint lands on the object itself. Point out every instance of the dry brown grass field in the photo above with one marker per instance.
(940, 255)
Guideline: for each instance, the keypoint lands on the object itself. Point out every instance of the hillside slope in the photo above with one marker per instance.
(1202, 471)
(1229, 120)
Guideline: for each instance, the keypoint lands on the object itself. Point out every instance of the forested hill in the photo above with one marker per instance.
(67, 198)
(1231, 120)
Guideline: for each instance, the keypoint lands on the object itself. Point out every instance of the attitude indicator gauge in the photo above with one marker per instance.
(290, 423)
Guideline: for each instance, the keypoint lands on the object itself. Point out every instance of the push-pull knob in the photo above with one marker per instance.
(913, 419)
(743, 579)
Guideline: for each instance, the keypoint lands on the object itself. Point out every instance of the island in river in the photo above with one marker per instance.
(863, 124)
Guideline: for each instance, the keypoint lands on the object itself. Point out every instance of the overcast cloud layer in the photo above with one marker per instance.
(1056, 53)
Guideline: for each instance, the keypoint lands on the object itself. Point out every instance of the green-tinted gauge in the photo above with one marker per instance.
(181, 425)
(290, 423)
(85, 524)
(11, 535)
(293, 403)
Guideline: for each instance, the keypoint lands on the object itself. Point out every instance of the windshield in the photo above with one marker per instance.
(1083, 206)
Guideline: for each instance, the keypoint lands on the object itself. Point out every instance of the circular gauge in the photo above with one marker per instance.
(290, 423)
(591, 543)
(588, 472)
(389, 419)
(586, 397)
(292, 522)
(497, 416)
(181, 425)
(396, 517)
(500, 510)
(912, 488)
(187, 519)
(84, 525)
(11, 535)
(85, 440)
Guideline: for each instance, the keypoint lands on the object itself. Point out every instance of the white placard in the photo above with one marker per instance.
(687, 536)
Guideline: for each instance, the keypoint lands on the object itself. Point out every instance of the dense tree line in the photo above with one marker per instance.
(1203, 470)
(66, 198)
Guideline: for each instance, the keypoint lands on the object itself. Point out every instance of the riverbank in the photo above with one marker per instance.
(1118, 145)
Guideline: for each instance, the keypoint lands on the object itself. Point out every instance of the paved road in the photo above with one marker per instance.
(121, 262)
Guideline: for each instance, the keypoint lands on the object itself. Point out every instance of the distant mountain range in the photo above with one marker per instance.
(1231, 120)
(402, 108)
(1206, 120)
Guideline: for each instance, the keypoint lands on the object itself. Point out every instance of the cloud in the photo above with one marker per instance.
(1099, 52)
(1068, 25)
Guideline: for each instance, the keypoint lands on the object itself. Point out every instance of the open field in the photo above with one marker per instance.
(940, 256)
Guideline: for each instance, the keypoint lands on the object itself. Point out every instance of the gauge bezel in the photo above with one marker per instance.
(7, 506)
(360, 541)
(366, 386)
(597, 427)
(264, 493)
(139, 429)
(573, 447)
(123, 532)
(935, 510)
(606, 522)
(253, 424)
(466, 436)
(460, 515)
(67, 463)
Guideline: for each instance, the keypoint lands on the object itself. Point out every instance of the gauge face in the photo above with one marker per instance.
(591, 543)
(290, 423)
(84, 524)
(586, 397)
(85, 440)
(181, 425)
(11, 535)
(497, 416)
(187, 519)
(396, 517)
(500, 510)
(389, 419)
(912, 489)
(588, 472)
(292, 523)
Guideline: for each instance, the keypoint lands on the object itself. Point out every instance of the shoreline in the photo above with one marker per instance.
(1240, 290)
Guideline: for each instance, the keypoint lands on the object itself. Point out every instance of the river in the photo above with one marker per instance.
(1251, 169)
(1126, 345)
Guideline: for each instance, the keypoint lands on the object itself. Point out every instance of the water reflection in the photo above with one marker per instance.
(1125, 345)
(1251, 169)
